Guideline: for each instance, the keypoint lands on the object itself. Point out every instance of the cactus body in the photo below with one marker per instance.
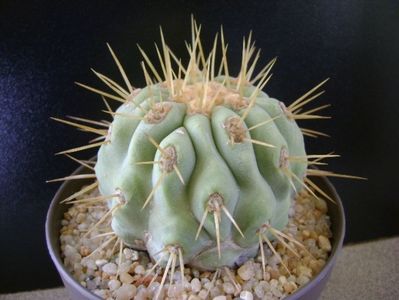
(202, 166)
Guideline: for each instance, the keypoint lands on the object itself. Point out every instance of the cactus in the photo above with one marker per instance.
(200, 167)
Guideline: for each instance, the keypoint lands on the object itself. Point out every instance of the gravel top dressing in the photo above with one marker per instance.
(111, 270)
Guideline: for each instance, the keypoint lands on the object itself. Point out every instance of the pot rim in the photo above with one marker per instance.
(339, 222)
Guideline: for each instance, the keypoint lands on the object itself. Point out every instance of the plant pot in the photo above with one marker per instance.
(311, 290)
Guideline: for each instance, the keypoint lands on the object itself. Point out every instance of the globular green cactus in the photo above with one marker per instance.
(200, 167)
(201, 161)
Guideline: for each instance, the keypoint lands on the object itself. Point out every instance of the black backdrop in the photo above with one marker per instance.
(46, 45)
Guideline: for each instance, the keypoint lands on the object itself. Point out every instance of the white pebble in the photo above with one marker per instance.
(125, 266)
(114, 284)
(282, 279)
(203, 294)
(90, 264)
(273, 283)
(125, 292)
(246, 271)
(216, 291)
(101, 293)
(131, 254)
(153, 287)
(274, 260)
(69, 250)
(260, 288)
(208, 285)
(82, 226)
(142, 295)
(301, 280)
(174, 291)
(139, 270)
(110, 268)
(91, 285)
(277, 293)
(246, 295)
(220, 298)
(228, 288)
(195, 285)
(101, 262)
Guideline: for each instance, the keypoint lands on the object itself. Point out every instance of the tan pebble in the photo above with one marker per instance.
(84, 251)
(220, 298)
(318, 214)
(305, 234)
(313, 235)
(274, 274)
(315, 265)
(306, 260)
(321, 205)
(304, 271)
(289, 287)
(205, 275)
(126, 278)
(67, 216)
(82, 209)
(239, 280)
(80, 218)
(267, 276)
(280, 249)
(194, 297)
(324, 243)
(273, 283)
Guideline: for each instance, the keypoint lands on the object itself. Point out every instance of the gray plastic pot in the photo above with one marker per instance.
(310, 291)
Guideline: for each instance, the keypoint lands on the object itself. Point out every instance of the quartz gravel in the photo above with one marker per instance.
(98, 263)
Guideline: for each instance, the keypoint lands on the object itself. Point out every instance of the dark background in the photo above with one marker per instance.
(46, 45)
